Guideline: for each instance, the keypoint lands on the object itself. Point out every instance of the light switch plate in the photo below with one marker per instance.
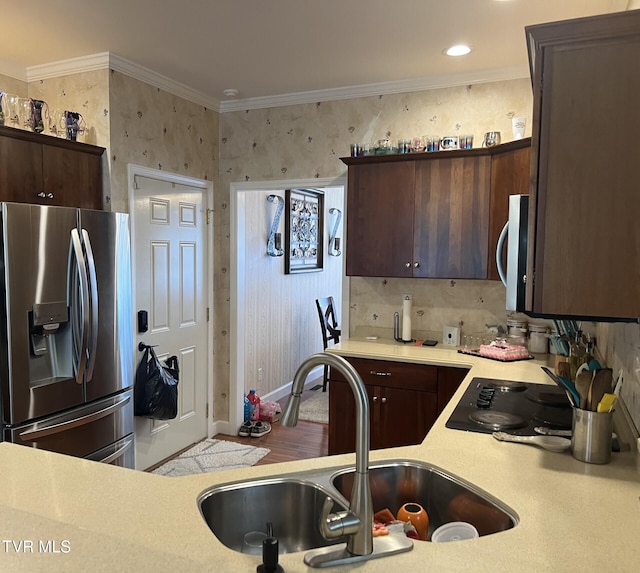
(451, 336)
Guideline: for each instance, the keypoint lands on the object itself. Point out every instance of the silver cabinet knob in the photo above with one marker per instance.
(416, 265)
(407, 265)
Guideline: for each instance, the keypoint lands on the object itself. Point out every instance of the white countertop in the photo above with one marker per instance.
(573, 516)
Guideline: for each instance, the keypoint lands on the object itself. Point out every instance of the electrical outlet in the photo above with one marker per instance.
(451, 336)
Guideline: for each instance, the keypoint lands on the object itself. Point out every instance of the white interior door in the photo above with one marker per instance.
(170, 242)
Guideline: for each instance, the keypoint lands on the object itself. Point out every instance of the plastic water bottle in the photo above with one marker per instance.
(254, 401)
(247, 409)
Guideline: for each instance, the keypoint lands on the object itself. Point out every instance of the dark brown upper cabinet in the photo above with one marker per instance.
(584, 210)
(45, 170)
(431, 215)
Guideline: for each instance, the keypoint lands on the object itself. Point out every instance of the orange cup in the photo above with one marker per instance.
(418, 517)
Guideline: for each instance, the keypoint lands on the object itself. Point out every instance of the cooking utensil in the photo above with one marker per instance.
(600, 385)
(618, 385)
(583, 384)
(551, 443)
(566, 385)
(551, 432)
(607, 403)
(594, 364)
(564, 370)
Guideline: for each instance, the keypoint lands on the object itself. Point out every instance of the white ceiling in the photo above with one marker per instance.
(267, 48)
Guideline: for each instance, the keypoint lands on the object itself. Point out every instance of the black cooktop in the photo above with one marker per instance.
(490, 405)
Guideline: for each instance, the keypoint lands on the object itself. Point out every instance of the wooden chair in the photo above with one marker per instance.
(329, 328)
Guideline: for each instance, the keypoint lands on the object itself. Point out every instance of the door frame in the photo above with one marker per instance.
(237, 279)
(207, 189)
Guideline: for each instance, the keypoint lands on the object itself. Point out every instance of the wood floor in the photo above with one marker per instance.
(306, 440)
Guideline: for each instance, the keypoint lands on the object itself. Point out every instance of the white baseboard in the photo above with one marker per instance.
(284, 391)
(280, 395)
(222, 427)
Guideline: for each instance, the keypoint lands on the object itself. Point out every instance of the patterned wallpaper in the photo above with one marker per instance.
(307, 141)
(154, 128)
(141, 124)
(13, 86)
(86, 93)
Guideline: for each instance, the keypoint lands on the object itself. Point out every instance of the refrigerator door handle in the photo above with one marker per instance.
(36, 433)
(93, 308)
(77, 273)
(119, 452)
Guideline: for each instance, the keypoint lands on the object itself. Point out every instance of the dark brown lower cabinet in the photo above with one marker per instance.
(404, 402)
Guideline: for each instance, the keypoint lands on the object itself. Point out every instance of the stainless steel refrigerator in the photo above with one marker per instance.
(66, 339)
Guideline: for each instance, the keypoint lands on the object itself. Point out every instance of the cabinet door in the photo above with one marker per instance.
(449, 380)
(509, 176)
(20, 170)
(380, 219)
(403, 417)
(583, 213)
(342, 419)
(451, 220)
(71, 178)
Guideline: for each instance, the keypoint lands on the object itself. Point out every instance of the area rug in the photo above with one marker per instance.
(315, 408)
(212, 456)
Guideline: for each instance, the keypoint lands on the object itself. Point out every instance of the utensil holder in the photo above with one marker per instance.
(591, 437)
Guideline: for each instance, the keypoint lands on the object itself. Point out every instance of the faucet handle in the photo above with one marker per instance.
(334, 525)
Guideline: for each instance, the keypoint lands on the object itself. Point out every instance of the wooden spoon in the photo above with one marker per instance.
(600, 386)
(564, 370)
(583, 383)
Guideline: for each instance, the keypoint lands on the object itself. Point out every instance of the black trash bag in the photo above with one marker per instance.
(156, 388)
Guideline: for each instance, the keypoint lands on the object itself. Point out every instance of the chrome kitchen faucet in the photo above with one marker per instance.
(357, 522)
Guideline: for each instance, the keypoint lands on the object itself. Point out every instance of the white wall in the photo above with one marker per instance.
(280, 326)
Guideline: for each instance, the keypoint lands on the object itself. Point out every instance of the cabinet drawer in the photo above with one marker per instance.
(394, 374)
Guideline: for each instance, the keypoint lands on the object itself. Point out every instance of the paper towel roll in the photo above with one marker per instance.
(406, 317)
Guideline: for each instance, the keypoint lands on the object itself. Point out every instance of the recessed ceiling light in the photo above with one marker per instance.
(458, 50)
(231, 92)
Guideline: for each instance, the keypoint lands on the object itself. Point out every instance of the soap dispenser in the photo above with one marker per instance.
(270, 557)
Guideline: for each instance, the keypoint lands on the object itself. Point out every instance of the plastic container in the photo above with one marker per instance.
(247, 409)
(454, 531)
(254, 406)
(517, 332)
(538, 339)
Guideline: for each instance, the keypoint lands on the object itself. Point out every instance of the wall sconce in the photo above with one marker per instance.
(274, 241)
(334, 242)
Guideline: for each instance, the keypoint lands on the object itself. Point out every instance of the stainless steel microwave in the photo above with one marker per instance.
(514, 233)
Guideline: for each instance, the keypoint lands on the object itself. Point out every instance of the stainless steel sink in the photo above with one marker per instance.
(444, 497)
(290, 504)
(293, 503)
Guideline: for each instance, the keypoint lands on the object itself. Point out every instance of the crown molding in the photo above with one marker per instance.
(148, 76)
(377, 89)
(107, 60)
(79, 65)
